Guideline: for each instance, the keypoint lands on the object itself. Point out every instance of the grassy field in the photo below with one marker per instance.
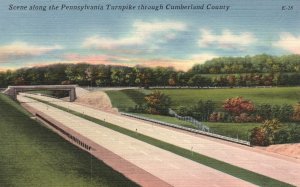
(32, 155)
(188, 97)
(279, 95)
(234, 130)
(235, 171)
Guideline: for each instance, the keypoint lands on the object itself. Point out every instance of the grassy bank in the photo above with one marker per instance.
(32, 155)
(235, 171)
(168, 119)
(188, 97)
(233, 130)
(119, 99)
(276, 95)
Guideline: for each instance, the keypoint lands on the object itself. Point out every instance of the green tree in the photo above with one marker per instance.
(103, 77)
(76, 73)
(91, 74)
(158, 103)
(199, 81)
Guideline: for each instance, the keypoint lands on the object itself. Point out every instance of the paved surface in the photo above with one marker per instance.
(171, 168)
(281, 169)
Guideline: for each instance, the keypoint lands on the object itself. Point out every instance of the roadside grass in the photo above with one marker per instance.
(167, 119)
(235, 171)
(234, 130)
(32, 155)
(136, 95)
(120, 100)
(125, 99)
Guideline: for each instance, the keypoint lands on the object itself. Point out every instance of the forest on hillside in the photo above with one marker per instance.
(259, 70)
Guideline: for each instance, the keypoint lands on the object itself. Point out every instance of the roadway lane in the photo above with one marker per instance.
(283, 170)
(171, 168)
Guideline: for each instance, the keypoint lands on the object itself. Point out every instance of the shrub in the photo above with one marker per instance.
(275, 111)
(158, 103)
(239, 109)
(217, 117)
(267, 112)
(200, 111)
(257, 137)
(184, 111)
(269, 133)
(243, 118)
(270, 128)
(296, 113)
(263, 112)
(294, 131)
(286, 112)
(281, 136)
(138, 109)
(236, 106)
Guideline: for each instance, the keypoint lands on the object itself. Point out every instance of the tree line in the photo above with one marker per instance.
(259, 70)
(250, 64)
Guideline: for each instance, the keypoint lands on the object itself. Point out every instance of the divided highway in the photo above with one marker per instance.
(174, 170)
(286, 170)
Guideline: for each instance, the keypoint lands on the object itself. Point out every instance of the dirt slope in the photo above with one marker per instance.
(291, 150)
(97, 99)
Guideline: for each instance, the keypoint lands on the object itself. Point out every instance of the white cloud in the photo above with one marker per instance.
(226, 40)
(23, 49)
(144, 33)
(289, 43)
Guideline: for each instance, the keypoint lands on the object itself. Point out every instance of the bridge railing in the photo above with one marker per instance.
(230, 139)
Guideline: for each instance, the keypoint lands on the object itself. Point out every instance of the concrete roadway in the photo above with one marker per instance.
(265, 164)
(173, 169)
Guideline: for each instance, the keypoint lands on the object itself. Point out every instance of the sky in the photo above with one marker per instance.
(178, 38)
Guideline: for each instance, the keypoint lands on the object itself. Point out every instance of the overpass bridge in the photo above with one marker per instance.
(13, 91)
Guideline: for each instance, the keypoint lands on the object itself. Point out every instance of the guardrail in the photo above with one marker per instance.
(235, 140)
(190, 119)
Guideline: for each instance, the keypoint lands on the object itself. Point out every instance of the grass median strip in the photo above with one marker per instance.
(235, 171)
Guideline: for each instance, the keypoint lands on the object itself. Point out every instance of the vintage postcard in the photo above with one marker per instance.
(191, 93)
